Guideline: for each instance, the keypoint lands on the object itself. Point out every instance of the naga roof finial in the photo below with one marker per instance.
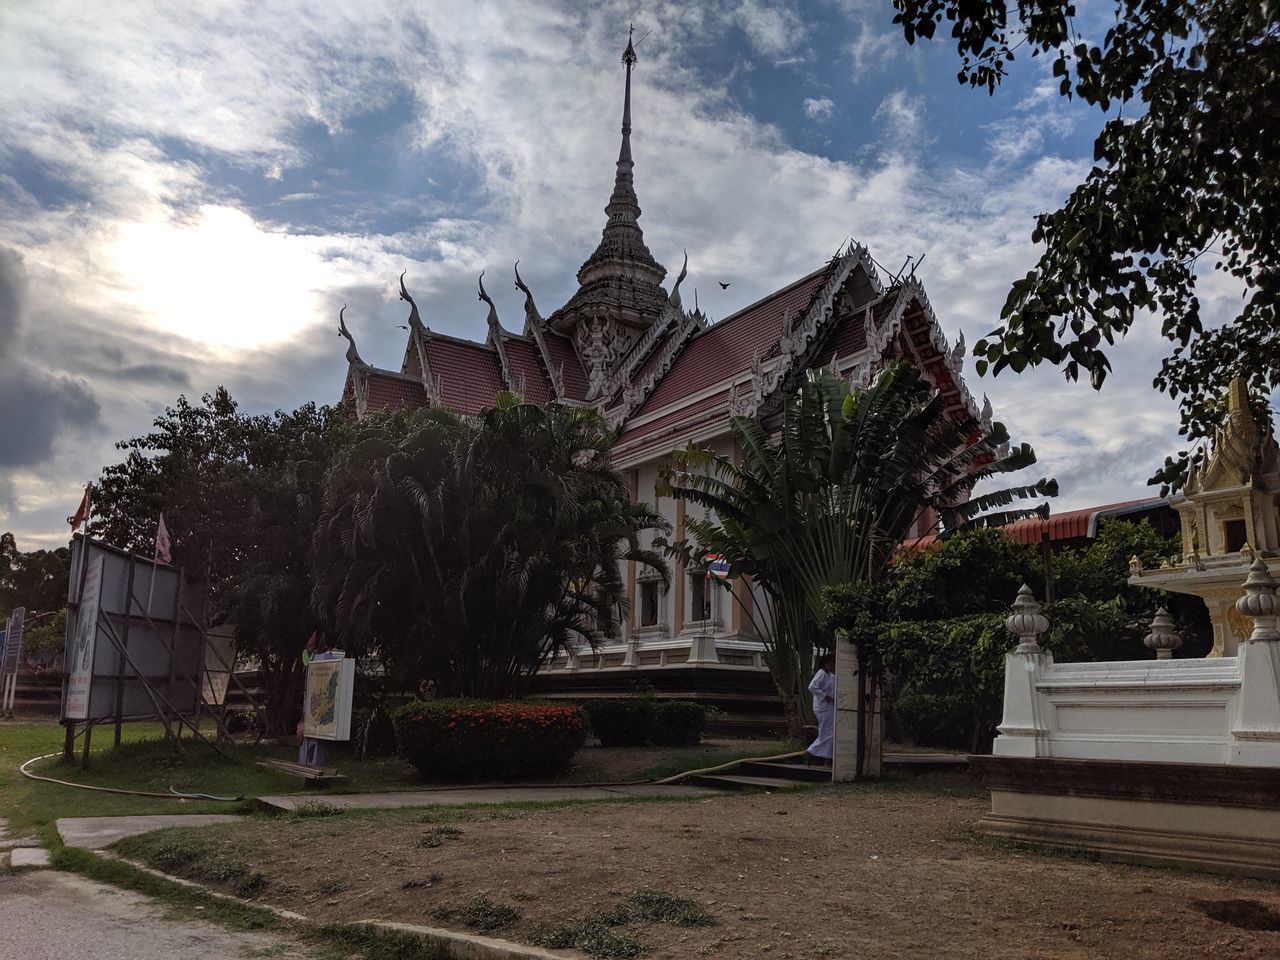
(675, 290)
(956, 359)
(532, 317)
(415, 321)
(353, 355)
(495, 326)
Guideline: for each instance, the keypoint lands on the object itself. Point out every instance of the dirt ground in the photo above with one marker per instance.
(863, 872)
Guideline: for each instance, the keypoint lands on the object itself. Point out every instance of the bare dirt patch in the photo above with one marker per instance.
(863, 872)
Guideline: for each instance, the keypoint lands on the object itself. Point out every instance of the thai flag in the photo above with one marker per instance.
(717, 566)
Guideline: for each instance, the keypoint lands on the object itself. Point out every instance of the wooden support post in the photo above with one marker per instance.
(128, 615)
(173, 636)
(69, 743)
(84, 753)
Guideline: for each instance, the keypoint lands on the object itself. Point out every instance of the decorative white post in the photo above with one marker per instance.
(1256, 736)
(1260, 601)
(1163, 638)
(1020, 730)
(844, 755)
(1027, 623)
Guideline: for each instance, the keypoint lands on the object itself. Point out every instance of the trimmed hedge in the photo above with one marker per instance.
(678, 724)
(634, 721)
(486, 740)
(621, 723)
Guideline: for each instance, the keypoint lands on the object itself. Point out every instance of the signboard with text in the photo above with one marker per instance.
(82, 636)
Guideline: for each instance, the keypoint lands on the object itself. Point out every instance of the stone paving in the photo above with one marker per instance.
(51, 915)
(96, 833)
(20, 853)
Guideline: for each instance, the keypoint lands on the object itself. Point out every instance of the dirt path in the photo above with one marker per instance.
(859, 873)
(47, 915)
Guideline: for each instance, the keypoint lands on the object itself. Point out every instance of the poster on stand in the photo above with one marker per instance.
(330, 685)
(80, 651)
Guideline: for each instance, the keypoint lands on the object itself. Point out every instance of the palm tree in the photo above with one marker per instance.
(827, 499)
(469, 550)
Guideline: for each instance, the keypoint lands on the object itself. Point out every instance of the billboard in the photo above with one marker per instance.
(12, 643)
(82, 644)
(327, 709)
(133, 637)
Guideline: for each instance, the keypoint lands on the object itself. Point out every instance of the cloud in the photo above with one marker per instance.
(773, 29)
(818, 109)
(870, 49)
(165, 259)
(37, 406)
(903, 116)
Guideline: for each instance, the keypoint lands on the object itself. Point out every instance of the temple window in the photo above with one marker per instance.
(699, 596)
(649, 603)
(1234, 535)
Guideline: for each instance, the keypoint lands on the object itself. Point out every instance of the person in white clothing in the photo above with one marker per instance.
(823, 688)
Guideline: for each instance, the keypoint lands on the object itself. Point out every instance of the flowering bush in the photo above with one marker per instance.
(487, 740)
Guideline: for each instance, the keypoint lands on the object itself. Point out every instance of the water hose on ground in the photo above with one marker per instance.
(171, 795)
(726, 766)
(175, 795)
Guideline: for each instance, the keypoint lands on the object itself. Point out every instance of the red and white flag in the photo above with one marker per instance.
(82, 511)
(162, 542)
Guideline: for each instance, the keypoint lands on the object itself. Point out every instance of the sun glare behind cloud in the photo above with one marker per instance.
(220, 278)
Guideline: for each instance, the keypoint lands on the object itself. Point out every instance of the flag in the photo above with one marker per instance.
(717, 566)
(82, 511)
(162, 542)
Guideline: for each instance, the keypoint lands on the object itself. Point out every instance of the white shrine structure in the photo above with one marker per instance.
(1170, 761)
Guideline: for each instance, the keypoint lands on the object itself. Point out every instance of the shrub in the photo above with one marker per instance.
(622, 723)
(479, 739)
(634, 721)
(678, 724)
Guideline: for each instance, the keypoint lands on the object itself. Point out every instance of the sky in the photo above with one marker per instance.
(190, 192)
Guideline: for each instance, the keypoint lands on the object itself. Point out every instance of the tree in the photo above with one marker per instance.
(467, 551)
(239, 495)
(937, 621)
(35, 579)
(1186, 173)
(830, 498)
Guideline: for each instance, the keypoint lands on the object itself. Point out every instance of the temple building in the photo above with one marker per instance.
(665, 376)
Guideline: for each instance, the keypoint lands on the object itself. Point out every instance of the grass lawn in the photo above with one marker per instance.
(145, 762)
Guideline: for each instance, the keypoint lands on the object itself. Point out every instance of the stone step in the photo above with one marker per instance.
(735, 781)
(27, 858)
(799, 772)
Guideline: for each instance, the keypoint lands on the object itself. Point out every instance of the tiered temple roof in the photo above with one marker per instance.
(664, 375)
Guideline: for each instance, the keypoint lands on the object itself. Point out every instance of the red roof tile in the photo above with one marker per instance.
(564, 355)
(1075, 524)
(1072, 525)
(849, 337)
(727, 348)
(526, 363)
(677, 418)
(469, 373)
(654, 355)
(392, 391)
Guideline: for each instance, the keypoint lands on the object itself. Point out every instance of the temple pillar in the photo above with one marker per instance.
(677, 616)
